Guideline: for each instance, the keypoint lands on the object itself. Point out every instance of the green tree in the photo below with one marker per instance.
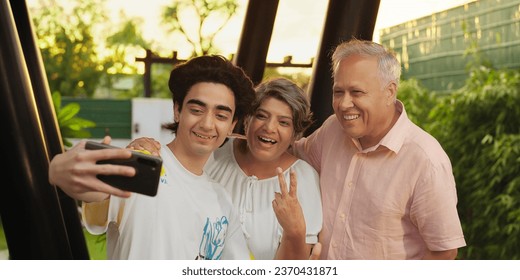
(300, 78)
(74, 64)
(417, 100)
(479, 127)
(128, 38)
(67, 46)
(119, 63)
(210, 16)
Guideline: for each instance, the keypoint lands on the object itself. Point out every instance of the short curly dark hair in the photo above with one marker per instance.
(215, 69)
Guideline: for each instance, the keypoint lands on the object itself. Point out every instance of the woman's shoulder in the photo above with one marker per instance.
(221, 156)
(307, 176)
(302, 165)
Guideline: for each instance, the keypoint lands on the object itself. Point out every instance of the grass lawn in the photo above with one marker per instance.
(3, 242)
(4, 254)
(96, 245)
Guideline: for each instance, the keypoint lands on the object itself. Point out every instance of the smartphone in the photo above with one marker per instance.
(147, 167)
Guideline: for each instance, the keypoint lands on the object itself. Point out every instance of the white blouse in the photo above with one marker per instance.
(253, 199)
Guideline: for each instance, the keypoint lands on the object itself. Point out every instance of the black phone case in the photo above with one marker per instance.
(147, 176)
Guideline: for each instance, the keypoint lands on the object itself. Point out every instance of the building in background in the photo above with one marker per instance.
(435, 49)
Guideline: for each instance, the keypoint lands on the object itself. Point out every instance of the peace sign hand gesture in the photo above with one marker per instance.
(287, 207)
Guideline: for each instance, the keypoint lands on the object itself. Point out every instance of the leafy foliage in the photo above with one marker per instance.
(300, 78)
(211, 16)
(85, 57)
(74, 64)
(479, 127)
(417, 100)
(71, 126)
(119, 64)
(67, 46)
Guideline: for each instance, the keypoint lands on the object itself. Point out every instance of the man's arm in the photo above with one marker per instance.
(96, 213)
(441, 255)
(75, 171)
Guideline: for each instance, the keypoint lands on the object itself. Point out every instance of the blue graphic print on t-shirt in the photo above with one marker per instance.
(213, 239)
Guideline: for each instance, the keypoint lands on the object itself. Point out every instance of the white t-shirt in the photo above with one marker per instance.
(253, 199)
(191, 217)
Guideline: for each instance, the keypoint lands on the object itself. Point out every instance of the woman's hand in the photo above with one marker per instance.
(290, 217)
(287, 207)
(146, 144)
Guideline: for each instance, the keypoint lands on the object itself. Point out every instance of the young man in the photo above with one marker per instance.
(191, 217)
(388, 190)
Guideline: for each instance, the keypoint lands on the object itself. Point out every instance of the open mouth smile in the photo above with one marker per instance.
(267, 140)
(351, 117)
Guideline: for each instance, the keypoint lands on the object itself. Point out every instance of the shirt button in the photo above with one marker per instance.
(334, 245)
(342, 216)
(350, 184)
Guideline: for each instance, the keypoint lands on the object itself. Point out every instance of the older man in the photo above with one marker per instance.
(388, 190)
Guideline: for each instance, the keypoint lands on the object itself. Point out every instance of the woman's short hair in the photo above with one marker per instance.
(288, 92)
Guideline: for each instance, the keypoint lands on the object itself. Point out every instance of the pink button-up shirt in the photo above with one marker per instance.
(391, 201)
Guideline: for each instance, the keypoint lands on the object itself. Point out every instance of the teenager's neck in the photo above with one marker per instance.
(192, 162)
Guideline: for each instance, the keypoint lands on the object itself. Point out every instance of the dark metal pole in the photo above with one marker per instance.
(30, 210)
(255, 38)
(148, 61)
(345, 19)
(48, 120)
(147, 74)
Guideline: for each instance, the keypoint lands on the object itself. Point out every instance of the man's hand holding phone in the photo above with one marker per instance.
(76, 170)
(147, 170)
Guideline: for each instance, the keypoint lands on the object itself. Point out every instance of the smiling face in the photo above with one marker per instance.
(270, 130)
(205, 120)
(362, 104)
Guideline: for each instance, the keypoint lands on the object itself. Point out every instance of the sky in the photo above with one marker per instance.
(297, 29)
(289, 36)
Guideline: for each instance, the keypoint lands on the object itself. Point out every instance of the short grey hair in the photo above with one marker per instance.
(288, 92)
(388, 65)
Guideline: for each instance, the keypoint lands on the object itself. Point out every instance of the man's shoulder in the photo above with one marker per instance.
(422, 138)
(427, 145)
(331, 122)
(329, 129)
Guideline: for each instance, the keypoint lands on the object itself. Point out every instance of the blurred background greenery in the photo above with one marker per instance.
(477, 122)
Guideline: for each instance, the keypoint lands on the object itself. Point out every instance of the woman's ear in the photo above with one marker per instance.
(247, 120)
(232, 127)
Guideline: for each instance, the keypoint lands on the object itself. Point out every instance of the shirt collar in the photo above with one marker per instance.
(394, 139)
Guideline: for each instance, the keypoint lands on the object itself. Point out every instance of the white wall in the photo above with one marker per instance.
(148, 114)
